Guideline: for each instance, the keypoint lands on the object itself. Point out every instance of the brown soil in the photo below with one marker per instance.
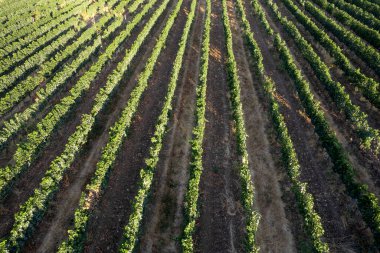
(104, 235)
(164, 214)
(23, 187)
(274, 233)
(355, 59)
(53, 228)
(220, 227)
(344, 227)
(366, 163)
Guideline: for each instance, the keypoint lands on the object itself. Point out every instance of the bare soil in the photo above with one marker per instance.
(365, 160)
(220, 227)
(53, 228)
(23, 187)
(221, 224)
(104, 235)
(344, 226)
(274, 234)
(162, 226)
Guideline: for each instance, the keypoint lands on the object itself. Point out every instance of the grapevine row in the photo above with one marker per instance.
(16, 9)
(367, 5)
(14, 51)
(367, 18)
(14, 124)
(130, 232)
(367, 53)
(196, 166)
(116, 135)
(304, 199)
(33, 209)
(40, 13)
(30, 31)
(27, 151)
(37, 56)
(8, 64)
(368, 86)
(135, 6)
(252, 217)
(9, 80)
(370, 35)
(370, 137)
(14, 95)
(367, 202)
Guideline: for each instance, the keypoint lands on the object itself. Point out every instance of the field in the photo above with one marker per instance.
(190, 126)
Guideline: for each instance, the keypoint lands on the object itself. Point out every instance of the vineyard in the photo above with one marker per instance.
(190, 126)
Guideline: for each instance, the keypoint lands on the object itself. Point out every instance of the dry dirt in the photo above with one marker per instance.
(221, 224)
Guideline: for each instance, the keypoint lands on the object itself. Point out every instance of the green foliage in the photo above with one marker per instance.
(304, 199)
(367, 202)
(118, 133)
(147, 173)
(15, 124)
(33, 209)
(367, 5)
(370, 35)
(362, 15)
(370, 137)
(367, 53)
(252, 217)
(368, 86)
(58, 37)
(25, 30)
(30, 56)
(27, 151)
(14, 96)
(135, 5)
(196, 166)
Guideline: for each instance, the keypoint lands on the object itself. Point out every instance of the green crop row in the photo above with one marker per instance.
(304, 199)
(32, 211)
(17, 50)
(117, 134)
(196, 166)
(372, 36)
(366, 52)
(367, 5)
(252, 216)
(22, 89)
(13, 125)
(370, 137)
(367, 85)
(130, 235)
(367, 202)
(16, 16)
(364, 16)
(24, 24)
(27, 151)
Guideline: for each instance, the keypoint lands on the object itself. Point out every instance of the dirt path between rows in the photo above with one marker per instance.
(274, 233)
(366, 163)
(8, 150)
(350, 54)
(112, 212)
(345, 230)
(220, 227)
(29, 180)
(53, 228)
(164, 215)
